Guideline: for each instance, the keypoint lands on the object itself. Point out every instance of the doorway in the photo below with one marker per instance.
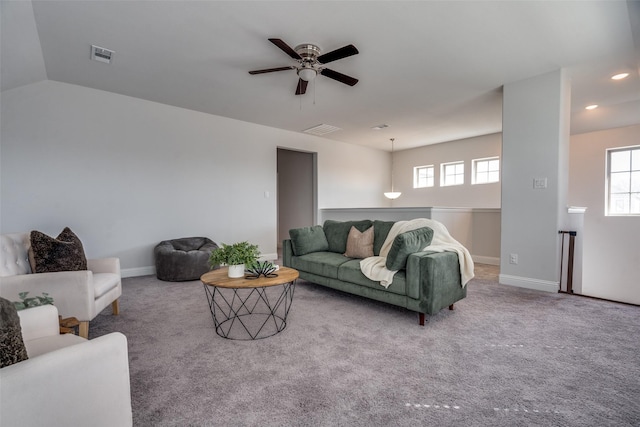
(297, 191)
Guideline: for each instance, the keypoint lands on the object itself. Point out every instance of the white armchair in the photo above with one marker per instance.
(80, 294)
(67, 380)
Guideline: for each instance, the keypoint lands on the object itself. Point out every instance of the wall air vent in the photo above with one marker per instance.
(101, 54)
(321, 130)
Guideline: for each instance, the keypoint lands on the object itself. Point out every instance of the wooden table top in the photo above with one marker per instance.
(221, 279)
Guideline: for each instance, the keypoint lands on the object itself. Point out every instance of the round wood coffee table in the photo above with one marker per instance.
(249, 309)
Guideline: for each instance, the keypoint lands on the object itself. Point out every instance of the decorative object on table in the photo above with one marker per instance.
(264, 268)
(28, 302)
(183, 259)
(236, 256)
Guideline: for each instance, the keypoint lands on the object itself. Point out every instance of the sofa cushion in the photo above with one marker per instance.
(350, 272)
(321, 263)
(380, 232)
(64, 253)
(338, 231)
(308, 239)
(359, 244)
(12, 349)
(405, 244)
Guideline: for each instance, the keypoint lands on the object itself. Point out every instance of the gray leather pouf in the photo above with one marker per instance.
(183, 259)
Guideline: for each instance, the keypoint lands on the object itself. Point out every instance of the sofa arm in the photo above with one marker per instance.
(287, 252)
(434, 278)
(39, 322)
(85, 384)
(104, 265)
(73, 292)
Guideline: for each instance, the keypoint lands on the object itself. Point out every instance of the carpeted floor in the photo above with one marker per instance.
(504, 357)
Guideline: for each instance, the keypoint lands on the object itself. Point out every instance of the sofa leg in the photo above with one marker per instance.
(451, 307)
(83, 330)
(115, 306)
(421, 319)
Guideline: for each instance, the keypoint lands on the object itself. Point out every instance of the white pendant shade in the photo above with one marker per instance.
(392, 194)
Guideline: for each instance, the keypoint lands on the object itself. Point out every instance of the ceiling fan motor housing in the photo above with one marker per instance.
(309, 52)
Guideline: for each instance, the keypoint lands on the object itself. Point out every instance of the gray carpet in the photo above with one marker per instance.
(504, 357)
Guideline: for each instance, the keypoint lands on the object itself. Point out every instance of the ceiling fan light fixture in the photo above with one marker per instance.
(307, 74)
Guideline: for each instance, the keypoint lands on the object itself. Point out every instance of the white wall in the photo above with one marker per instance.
(466, 195)
(535, 132)
(611, 248)
(125, 173)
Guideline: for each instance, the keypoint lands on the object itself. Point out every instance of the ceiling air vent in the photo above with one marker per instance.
(321, 130)
(101, 54)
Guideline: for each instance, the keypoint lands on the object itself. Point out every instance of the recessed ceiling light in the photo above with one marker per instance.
(591, 107)
(620, 76)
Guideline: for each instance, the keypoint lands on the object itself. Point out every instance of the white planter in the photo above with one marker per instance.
(236, 271)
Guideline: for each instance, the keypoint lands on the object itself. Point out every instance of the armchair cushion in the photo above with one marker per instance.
(64, 253)
(12, 348)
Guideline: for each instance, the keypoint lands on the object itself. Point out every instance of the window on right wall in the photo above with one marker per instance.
(485, 171)
(623, 181)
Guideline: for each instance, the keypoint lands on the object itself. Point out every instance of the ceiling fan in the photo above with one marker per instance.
(310, 63)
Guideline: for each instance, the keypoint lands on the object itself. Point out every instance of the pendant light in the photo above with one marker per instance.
(392, 194)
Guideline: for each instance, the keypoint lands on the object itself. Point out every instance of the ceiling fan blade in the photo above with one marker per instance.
(285, 48)
(270, 70)
(301, 89)
(342, 78)
(334, 55)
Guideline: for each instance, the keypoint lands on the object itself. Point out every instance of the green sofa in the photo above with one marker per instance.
(429, 281)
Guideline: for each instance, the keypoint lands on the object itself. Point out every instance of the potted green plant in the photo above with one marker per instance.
(236, 256)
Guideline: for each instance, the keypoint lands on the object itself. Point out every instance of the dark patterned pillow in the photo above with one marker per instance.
(64, 253)
(12, 349)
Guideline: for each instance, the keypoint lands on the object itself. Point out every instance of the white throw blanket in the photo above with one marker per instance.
(375, 267)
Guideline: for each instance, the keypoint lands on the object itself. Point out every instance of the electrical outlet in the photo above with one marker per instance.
(513, 259)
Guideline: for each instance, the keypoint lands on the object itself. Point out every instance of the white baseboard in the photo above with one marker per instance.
(138, 271)
(529, 283)
(486, 259)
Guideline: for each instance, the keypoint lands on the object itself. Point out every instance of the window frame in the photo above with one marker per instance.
(608, 180)
(474, 170)
(416, 177)
(443, 174)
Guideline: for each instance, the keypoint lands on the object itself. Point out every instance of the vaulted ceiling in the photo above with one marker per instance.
(431, 70)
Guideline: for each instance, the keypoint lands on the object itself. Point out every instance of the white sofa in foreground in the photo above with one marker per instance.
(67, 380)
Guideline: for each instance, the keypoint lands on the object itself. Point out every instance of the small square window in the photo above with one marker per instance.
(623, 181)
(452, 174)
(423, 176)
(486, 170)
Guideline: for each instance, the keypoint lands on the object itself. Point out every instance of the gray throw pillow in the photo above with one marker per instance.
(308, 239)
(12, 349)
(405, 244)
(64, 253)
